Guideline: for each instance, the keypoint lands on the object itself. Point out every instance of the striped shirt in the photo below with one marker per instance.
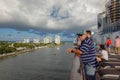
(89, 52)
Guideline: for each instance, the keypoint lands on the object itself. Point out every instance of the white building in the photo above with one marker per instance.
(36, 40)
(57, 39)
(47, 40)
(26, 40)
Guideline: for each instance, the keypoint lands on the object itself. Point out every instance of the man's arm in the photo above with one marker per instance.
(73, 50)
(77, 52)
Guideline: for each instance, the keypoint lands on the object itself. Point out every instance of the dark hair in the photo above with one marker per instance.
(88, 32)
(117, 36)
(102, 46)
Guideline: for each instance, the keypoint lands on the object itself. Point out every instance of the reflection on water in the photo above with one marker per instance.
(58, 48)
(42, 64)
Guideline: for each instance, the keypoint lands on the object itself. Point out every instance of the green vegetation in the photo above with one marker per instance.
(5, 48)
(9, 47)
(27, 45)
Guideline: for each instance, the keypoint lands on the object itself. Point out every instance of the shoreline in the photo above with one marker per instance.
(25, 50)
(20, 52)
(14, 53)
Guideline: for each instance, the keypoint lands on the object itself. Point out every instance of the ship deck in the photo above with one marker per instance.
(109, 70)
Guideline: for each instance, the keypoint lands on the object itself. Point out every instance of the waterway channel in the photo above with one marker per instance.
(41, 64)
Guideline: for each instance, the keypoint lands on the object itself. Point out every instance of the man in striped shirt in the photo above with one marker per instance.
(87, 53)
(89, 56)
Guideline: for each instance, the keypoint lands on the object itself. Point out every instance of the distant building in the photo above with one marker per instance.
(26, 40)
(47, 39)
(36, 40)
(57, 39)
(11, 45)
(113, 9)
(50, 39)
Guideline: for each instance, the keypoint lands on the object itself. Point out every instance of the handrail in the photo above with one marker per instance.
(109, 68)
(77, 72)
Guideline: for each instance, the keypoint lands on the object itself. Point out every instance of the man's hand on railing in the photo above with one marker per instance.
(69, 50)
(73, 50)
(98, 59)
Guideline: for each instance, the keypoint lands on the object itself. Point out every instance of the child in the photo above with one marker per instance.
(103, 55)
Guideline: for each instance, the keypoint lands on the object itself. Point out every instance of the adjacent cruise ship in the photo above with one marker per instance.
(109, 21)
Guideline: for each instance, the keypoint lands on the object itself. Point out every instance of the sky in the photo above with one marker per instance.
(40, 18)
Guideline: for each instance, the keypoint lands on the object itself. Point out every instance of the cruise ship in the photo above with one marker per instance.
(109, 22)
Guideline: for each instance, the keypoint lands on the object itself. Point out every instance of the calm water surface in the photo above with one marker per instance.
(42, 64)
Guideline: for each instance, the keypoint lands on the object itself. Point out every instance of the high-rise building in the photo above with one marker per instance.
(47, 39)
(57, 39)
(113, 11)
(36, 40)
(26, 40)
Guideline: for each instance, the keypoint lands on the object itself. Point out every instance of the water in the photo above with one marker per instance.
(42, 64)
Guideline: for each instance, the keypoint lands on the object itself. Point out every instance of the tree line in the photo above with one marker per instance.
(9, 47)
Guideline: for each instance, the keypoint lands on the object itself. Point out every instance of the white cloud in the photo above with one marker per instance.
(71, 14)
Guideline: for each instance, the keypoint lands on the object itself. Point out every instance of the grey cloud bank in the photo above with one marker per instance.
(51, 16)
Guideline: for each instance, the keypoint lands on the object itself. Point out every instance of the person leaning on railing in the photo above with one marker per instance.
(87, 53)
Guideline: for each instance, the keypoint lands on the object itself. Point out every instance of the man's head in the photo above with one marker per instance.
(88, 33)
(108, 37)
(83, 37)
(79, 34)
